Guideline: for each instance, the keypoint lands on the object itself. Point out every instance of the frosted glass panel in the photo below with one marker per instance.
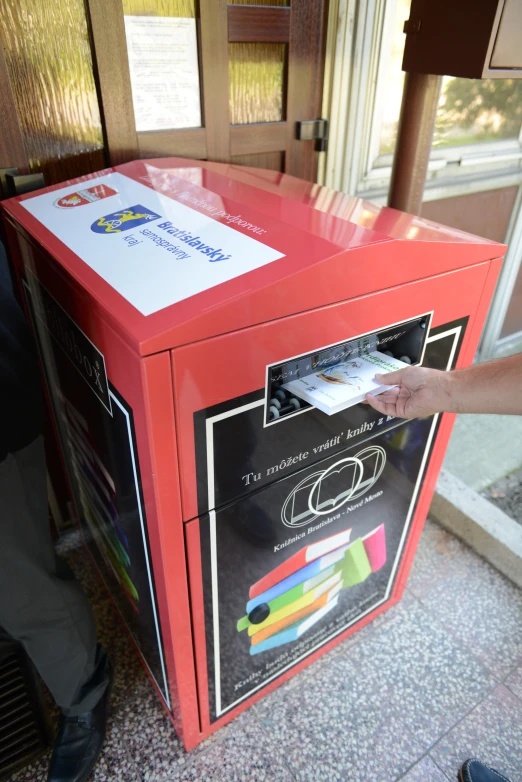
(49, 62)
(256, 82)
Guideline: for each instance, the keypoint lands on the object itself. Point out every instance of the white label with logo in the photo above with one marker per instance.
(151, 249)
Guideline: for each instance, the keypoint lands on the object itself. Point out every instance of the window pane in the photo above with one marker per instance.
(256, 82)
(49, 63)
(474, 110)
(470, 110)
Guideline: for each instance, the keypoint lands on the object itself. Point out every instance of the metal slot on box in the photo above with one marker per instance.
(404, 341)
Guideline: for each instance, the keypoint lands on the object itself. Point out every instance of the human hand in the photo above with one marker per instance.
(419, 392)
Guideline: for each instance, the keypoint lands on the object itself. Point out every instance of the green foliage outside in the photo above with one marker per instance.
(473, 111)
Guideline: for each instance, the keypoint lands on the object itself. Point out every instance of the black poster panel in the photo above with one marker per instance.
(96, 430)
(288, 567)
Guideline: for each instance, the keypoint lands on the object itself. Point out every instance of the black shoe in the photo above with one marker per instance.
(474, 771)
(79, 742)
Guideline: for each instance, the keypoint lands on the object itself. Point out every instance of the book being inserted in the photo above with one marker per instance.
(340, 386)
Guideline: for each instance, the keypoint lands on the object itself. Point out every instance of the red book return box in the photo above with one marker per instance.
(240, 531)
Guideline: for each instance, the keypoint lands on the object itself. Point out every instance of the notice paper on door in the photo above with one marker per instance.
(163, 64)
(340, 386)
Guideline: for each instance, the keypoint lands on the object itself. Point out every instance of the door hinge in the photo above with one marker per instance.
(12, 183)
(18, 184)
(3, 182)
(412, 26)
(313, 130)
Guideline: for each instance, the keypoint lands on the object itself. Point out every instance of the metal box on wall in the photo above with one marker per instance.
(474, 39)
(168, 298)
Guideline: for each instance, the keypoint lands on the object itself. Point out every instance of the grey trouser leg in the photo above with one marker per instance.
(41, 605)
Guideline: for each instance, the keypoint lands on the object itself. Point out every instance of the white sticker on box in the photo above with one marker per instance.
(151, 249)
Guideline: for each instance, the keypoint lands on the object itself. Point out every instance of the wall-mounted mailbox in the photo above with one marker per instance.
(475, 39)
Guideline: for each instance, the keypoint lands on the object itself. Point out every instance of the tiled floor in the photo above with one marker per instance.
(435, 680)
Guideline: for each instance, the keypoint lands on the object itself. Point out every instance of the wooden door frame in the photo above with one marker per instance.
(302, 27)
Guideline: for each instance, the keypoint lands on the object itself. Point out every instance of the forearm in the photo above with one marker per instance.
(494, 387)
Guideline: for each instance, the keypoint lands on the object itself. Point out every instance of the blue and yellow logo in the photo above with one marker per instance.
(124, 220)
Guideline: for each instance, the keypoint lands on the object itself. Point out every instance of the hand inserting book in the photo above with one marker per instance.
(340, 386)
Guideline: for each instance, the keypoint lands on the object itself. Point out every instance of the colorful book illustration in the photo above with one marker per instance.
(307, 577)
(299, 560)
(97, 494)
(338, 387)
(290, 606)
(287, 621)
(294, 632)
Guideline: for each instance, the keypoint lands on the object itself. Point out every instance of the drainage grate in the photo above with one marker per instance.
(24, 731)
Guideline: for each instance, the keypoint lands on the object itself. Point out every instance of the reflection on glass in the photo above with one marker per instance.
(49, 63)
(470, 110)
(179, 8)
(256, 82)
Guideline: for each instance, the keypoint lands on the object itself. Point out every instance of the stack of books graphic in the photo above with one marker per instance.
(298, 593)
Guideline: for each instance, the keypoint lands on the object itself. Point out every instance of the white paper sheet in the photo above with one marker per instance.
(163, 63)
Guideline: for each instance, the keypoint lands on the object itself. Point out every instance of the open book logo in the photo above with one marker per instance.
(325, 491)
